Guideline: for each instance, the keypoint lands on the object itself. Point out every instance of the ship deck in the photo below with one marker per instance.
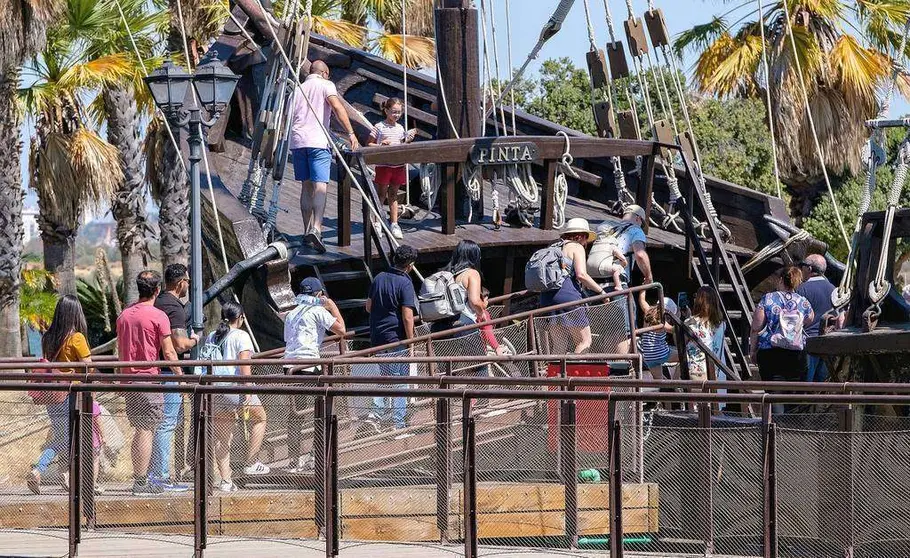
(425, 236)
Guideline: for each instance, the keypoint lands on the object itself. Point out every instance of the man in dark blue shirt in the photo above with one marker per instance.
(817, 290)
(391, 306)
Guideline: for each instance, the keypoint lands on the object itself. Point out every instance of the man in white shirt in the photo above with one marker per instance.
(304, 332)
(310, 151)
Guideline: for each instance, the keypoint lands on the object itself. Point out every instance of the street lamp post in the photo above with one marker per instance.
(214, 85)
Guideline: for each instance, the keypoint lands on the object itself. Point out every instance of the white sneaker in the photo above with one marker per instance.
(305, 464)
(227, 486)
(257, 469)
(396, 231)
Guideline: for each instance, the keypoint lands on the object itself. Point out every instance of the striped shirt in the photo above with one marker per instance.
(653, 346)
(393, 132)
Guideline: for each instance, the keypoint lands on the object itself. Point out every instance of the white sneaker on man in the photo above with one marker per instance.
(305, 464)
(396, 231)
(257, 469)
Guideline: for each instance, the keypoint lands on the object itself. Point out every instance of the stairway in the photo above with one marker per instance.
(347, 276)
(738, 305)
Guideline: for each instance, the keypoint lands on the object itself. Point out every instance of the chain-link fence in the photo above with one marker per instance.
(539, 473)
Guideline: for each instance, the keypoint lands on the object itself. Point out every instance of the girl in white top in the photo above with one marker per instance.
(390, 178)
(236, 344)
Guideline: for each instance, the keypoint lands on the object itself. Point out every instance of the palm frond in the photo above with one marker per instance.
(411, 50)
(347, 33)
(859, 69)
(111, 68)
(700, 37)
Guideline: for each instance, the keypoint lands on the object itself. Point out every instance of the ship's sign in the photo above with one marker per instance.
(504, 153)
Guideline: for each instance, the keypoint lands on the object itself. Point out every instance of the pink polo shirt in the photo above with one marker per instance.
(140, 329)
(305, 130)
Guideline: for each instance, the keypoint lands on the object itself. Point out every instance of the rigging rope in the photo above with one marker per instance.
(880, 286)
(511, 68)
(552, 27)
(818, 147)
(208, 173)
(561, 184)
(874, 157)
(335, 150)
(502, 110)
(764, 61)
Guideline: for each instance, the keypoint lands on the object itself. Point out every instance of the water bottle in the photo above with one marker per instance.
(308, 300)
(589, 476)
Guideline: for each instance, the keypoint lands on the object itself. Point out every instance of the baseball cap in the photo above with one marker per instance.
(670, 306)
(636, 210)
(311, 285)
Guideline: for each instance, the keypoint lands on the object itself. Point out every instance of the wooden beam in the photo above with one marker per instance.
(458, 150)
(344, 211)
(447, 201)
(458, 68)
(645, 189)
(547, 205)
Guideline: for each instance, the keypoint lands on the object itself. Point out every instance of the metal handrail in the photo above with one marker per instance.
(535, 313)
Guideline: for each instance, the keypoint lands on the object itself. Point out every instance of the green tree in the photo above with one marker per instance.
(22, 34)
(733, 139)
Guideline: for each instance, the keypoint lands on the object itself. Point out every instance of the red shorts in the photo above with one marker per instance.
(391, 176)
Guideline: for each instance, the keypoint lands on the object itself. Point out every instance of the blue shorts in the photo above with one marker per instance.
(312, 163)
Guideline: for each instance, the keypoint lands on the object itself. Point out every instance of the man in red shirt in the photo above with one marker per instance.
(143, 331)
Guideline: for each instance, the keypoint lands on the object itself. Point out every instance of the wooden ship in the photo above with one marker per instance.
(682, 256)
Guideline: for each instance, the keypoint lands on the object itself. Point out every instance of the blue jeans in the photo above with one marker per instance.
(818, 372)
(60, 434)
(163, 442)
(398, 409)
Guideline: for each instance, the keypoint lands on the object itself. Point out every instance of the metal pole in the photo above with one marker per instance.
(443, 465)
(615, 438)
(331, 478)
(470, 481)
(319, 467)
(770, 482)
(194, 139)
(201, 472)
(86, 464)
(75, 491)
(707, 506)
(569, 464)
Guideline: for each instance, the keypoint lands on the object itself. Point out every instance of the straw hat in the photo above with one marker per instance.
(578, 225)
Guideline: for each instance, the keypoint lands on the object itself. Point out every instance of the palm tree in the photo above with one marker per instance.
(71, 168)
(842, 76)
(22, 34)
(121, 105)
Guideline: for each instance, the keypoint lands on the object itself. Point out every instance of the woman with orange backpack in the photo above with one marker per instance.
(64, 341)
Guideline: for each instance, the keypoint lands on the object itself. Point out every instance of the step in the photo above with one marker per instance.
(726, 288)
(344, 276)
(351, 303)
(735, 314)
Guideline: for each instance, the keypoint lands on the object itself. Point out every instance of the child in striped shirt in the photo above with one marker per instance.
(653, 344)
(390, 178)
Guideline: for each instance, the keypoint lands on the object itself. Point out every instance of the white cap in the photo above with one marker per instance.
(670, 306)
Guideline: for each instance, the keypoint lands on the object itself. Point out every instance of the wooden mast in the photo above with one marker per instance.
(458, 50)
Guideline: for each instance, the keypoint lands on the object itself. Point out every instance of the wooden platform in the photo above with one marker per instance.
(98, 544)
(367, 514)
(886, 339)
(231, 168)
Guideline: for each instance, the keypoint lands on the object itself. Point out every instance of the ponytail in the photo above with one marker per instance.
(230, 312)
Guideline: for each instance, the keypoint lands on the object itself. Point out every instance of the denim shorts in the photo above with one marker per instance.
(312, 163)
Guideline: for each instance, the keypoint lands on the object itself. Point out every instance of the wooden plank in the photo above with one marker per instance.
(458, 150)
(33, 515)
(548, 204)
(297, 505)
(343, 207)
(299, 529)
(379, 99)
(411, 528)
(131, 511)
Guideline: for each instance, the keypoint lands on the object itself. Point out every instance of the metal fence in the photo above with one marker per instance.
(577, 467)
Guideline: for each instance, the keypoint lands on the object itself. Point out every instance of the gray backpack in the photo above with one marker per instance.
(441, 297)
(546, 270)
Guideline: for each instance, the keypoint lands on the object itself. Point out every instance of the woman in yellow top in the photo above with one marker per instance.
(64, 341)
